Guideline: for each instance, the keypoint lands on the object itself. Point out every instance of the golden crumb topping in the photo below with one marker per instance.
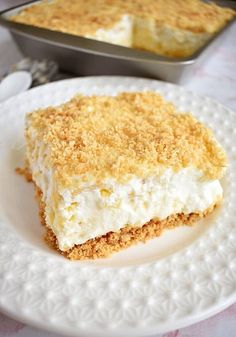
(81, 17)
(97, 137)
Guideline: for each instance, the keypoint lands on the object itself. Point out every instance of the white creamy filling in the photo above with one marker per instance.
(76, 218)
(121, 33)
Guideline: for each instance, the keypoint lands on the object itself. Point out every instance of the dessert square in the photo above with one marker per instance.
(111, 171)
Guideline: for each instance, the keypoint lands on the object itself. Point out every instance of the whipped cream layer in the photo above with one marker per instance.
(121, 33)
(97, 210)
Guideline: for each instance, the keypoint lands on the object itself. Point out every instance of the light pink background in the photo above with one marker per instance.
(217, 79)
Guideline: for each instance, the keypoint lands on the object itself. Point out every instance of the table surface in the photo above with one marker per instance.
(216, 78)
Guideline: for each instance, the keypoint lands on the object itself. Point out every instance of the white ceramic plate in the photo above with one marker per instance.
(180, 278)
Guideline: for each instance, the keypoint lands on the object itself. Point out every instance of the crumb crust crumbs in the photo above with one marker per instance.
(132, 134)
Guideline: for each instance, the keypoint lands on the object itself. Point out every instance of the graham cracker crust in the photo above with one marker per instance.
(112, 242)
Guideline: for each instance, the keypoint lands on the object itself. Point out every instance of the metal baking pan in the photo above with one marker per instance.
(82, 56)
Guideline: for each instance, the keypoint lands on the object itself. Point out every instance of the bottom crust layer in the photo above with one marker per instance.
(112, 242)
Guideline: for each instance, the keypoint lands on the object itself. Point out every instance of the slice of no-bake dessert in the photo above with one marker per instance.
(111, 171)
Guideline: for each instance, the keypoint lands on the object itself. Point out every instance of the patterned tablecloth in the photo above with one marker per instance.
(217, 79)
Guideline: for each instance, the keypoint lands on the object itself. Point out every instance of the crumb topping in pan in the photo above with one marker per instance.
(85, 17)
(129, 134)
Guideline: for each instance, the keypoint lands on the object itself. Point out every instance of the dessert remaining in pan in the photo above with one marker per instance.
(171, 28)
